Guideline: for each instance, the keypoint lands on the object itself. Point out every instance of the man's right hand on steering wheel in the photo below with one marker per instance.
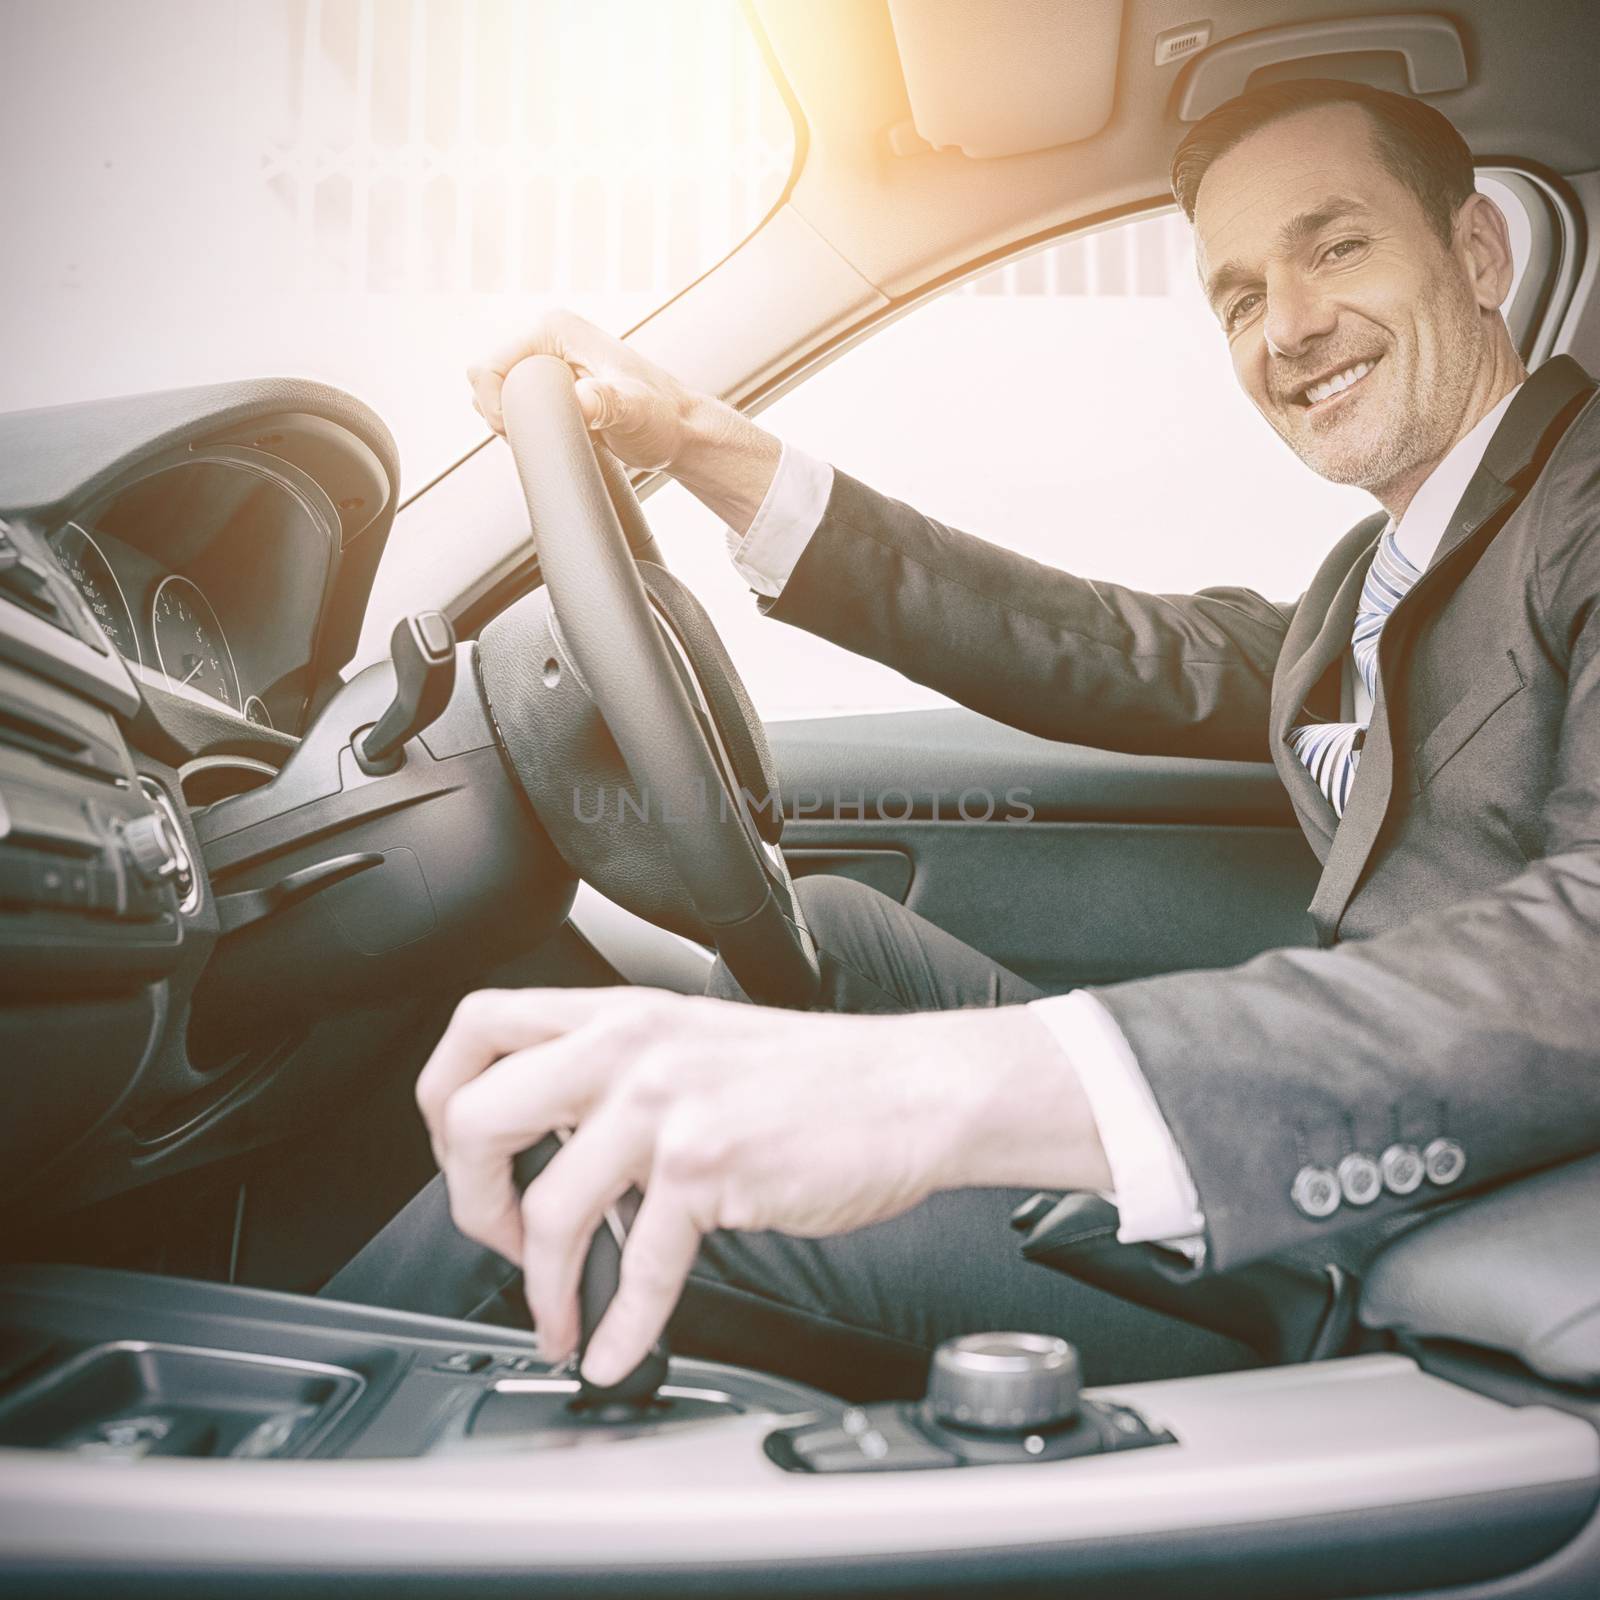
(643, 415)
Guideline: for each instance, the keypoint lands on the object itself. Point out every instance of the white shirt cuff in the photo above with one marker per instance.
(1153, 1190)
(791, 512)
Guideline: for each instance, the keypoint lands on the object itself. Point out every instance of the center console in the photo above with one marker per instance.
(102, 1365)
(197, 1434)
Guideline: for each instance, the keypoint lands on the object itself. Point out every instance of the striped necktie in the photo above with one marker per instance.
(1332, 750)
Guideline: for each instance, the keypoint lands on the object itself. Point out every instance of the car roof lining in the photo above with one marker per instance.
(900, 220)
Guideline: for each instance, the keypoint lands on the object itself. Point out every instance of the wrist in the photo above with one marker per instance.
(1015, 1114)
(724, 459)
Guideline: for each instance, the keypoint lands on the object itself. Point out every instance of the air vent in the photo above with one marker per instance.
(1176, 43)
(25, 727)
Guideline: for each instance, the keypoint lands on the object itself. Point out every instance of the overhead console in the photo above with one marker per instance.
(1428, 47)
(996, 78)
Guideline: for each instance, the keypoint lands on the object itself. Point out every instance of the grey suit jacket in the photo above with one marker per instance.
(1456, 990)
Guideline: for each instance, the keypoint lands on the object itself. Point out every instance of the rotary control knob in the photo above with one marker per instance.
(1004, 1382)
(150, 847)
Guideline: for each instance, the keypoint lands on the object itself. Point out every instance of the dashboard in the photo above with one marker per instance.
(182, 574)
(207, 574)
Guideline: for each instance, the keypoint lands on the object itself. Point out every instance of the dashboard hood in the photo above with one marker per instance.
(56, 460)
(55, 455)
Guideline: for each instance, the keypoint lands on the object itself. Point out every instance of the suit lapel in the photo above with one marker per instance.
(1490, 495)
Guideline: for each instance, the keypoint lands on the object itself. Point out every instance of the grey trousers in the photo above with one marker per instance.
(858, 1314)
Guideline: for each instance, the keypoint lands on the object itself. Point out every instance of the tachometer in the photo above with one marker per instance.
(190, 644)
(88, 568)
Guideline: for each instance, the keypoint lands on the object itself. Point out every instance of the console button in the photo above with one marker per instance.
(49, 884)
(1128, 1430)
(436, 632)
(268, 1437)
(464, 1361)
(887, 1445)
(517, 1364)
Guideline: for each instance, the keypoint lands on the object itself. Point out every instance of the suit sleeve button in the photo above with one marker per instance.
(1444, 1161)
(1359, 1179)
(1315, 1192)
(1402, 1168)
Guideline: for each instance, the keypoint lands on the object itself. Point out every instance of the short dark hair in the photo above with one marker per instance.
(1419, 145)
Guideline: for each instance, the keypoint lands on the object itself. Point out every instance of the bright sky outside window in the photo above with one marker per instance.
(363, 191)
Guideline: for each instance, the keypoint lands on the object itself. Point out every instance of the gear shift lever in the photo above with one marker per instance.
(423, 649)
(602, 1271)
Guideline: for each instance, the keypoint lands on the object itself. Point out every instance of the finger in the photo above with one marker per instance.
(551, 335)
(486, 387)
(563, 1207)
(655, 1265)
(485, 1026)
(599, 402)
(513, 1105)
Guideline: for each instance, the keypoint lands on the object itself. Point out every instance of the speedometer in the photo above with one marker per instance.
(190, 644)
(86, 565)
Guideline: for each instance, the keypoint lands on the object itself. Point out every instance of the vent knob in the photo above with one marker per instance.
(150, 847)
(1004, 1382)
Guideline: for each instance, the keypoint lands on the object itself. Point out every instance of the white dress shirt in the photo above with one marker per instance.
(1151, 1183)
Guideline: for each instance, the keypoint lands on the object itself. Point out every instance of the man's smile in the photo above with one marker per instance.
(1324, 394)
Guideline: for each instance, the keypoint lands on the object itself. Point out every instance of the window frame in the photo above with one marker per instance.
(1541, 304)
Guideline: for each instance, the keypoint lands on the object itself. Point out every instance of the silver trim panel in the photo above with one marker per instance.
(1367, 1435)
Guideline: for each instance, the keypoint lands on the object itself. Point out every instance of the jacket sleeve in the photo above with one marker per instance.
(1479, 1021)
(1063, 657)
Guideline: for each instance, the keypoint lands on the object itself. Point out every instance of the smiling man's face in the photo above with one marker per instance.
(1353, 327)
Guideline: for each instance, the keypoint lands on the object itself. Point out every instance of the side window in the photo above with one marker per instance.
(1076, 405)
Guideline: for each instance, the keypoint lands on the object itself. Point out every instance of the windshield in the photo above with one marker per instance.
(370, 192)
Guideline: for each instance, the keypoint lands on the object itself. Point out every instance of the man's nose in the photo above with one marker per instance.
(1297, 316)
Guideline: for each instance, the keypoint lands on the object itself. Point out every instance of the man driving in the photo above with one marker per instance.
(834, 1184)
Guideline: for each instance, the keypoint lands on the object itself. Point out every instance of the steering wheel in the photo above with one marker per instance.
(613, 674)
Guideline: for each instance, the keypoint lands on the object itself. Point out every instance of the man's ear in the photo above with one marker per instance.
(1483, 242)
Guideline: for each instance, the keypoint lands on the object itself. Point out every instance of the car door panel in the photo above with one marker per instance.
(1065, 864)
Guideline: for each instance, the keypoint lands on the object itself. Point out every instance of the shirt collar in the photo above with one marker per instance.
(1422, 526)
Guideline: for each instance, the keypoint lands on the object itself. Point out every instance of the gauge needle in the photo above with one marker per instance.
(190, 673)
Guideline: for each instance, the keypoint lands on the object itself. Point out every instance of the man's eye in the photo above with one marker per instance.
(1240, 309)
(1341, 249)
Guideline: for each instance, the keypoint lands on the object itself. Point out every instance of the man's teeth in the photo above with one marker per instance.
(1340, 380)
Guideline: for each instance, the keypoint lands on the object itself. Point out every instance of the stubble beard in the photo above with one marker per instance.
(1411, 431)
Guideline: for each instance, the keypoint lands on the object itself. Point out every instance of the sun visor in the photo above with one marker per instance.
(1002, 77)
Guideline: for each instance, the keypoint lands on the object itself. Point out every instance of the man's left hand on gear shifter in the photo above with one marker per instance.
(727, 1116)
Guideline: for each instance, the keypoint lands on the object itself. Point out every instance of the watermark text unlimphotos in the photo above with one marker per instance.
(608, 803)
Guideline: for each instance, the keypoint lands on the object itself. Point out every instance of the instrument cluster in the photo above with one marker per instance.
(162, 623)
